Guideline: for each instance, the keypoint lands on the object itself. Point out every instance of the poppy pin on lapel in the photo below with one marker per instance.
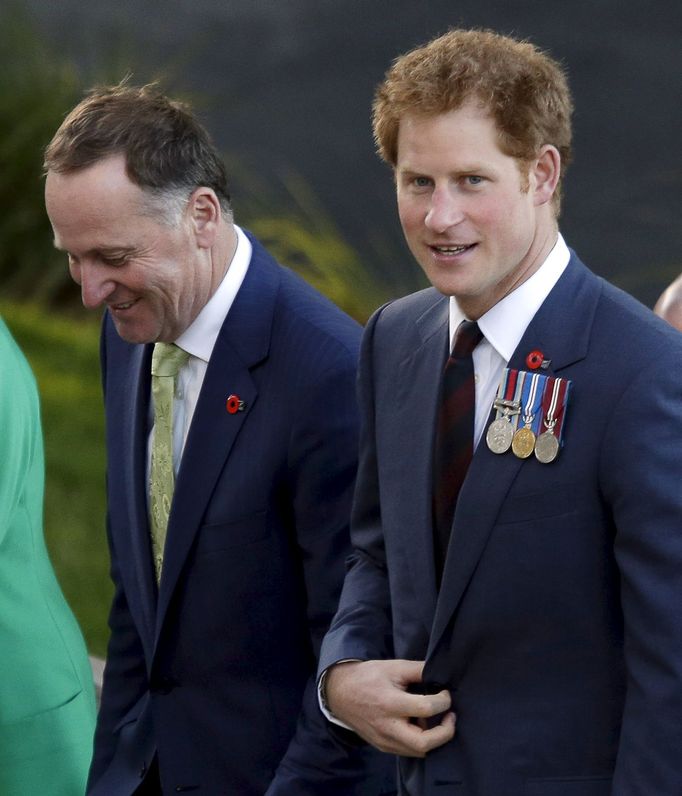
(536, 359)
(235, 404)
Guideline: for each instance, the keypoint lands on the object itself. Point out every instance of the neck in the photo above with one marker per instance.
(222, 253)
(544, 241)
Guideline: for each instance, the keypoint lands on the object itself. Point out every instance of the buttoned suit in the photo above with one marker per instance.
(558, 625)
(214, 673)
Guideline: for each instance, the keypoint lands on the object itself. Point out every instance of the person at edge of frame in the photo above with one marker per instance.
(47, 694)
(669, 304)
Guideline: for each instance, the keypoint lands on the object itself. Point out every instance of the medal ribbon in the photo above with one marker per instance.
(554, 402)
(505, 392)
(501, 388)
(510, 383)
(520, 381)
(532, 400)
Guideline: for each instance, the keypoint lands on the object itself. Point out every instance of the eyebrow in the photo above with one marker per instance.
(466, 169)
(106, 251)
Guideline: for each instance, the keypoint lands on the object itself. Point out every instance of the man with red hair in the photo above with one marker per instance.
(511, 622)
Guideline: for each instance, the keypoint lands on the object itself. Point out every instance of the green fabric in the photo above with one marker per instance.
(167, 360)
(47, 701)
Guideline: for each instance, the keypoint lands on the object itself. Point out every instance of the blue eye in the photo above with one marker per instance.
(474, 179)
(422, 182)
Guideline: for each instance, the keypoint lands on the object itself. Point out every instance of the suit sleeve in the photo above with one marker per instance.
(323, 462)
(362, 627)
(641, 471)
(125, 680)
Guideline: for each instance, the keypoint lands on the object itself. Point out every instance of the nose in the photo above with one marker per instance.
(445, 210)
(95, 286)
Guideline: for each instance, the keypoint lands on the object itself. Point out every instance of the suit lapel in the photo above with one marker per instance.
(243, 342)
(415, 417)
(561, 330)
(135, 430)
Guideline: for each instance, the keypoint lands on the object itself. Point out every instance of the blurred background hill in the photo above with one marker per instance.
(286, 89)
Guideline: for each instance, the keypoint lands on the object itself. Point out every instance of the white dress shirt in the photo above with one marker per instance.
(503, 326)
(198, 340)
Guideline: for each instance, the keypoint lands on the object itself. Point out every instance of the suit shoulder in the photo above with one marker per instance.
(635, 329)
(278, 295)
(410, 307)
(303, 310)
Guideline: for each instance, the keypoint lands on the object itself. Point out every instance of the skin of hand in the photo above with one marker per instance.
(372, 698)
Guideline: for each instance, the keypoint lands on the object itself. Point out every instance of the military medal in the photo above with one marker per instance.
(500, 434)
(523, 442)
(546, 447)
(501, 431)
(548, 444)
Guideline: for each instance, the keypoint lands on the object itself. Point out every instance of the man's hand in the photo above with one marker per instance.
(372, 698)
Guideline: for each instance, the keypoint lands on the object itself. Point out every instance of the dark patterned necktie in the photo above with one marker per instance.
(454, 439)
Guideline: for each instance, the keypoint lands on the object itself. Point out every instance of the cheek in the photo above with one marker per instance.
(501, 220)
(410, 215)
(490, 213)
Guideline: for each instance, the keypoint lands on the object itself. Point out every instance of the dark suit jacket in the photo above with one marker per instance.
(558, 627)
(215, 674)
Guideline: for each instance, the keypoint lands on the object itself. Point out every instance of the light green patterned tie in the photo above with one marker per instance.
(167, 360)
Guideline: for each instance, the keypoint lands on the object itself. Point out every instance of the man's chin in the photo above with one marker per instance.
(133, 334)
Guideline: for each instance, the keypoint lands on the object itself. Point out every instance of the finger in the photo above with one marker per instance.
(419, 705)
(441, 733)
(404, 672)
(420, 742)
(410, 740)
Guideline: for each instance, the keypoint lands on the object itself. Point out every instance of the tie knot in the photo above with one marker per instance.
(167, 359)
(467, 337)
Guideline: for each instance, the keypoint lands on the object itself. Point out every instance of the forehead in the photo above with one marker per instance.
(102, 180)
(469, 132)
(96, 200)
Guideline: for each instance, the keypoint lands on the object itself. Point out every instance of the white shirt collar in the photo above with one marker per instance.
(504, 324)
(200, 336)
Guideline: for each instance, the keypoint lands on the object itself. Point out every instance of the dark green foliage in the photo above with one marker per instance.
(36, 89)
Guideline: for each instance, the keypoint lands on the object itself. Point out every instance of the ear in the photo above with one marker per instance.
(545, 172)
(204, 213)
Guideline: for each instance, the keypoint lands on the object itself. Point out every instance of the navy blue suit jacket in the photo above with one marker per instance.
(558, 626)
(215, 673)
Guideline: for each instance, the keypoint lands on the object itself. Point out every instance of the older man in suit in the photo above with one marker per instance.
(231, 437)
(511, 623)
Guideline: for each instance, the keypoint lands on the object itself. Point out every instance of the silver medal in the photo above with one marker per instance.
(499, 435)
(546, 447)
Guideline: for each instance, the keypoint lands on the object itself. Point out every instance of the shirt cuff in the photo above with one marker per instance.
(322, 696)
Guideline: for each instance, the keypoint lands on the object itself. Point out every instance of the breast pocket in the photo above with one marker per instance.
(554, 500)
(233, 533)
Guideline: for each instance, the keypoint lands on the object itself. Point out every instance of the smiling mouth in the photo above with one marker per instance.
(452, 249)
(124, 305)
